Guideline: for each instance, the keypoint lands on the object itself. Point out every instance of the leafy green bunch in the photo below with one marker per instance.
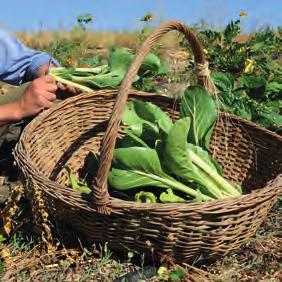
(169, 160)
(111, 74)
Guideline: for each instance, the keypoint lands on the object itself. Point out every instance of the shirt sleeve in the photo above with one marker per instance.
(18, 64)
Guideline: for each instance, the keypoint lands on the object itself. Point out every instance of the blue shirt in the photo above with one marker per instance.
(18, 63)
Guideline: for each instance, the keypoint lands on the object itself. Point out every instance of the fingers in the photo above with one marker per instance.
(68, 88)
(43, 102)
(48, 79)
(49, 96)
(72, 89)
(51, 87)
(61, 86)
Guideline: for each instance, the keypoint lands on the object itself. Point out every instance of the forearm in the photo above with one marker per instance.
(10, 112)
(19, 64)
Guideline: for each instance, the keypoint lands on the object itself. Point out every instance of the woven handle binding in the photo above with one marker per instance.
(99, 185)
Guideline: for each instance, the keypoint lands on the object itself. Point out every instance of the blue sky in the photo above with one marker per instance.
(118, 15)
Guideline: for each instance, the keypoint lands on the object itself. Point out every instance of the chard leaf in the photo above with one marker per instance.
(131, 140)
(198, 104)
(170, 197)
(223, 81)
(150, 65)
(193, 164)
(125, 179)
(145, 197)
(135, 167)
(77, 185)
(119, 60)
(177, 157)
(139, 167)
(146, 121)
(107, 80)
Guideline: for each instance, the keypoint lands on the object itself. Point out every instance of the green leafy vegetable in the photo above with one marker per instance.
(198, 104)
(223, 81)
(110, 75)
(140, 167)
(146, 121)
(192, 164)
(256, 86)
(170, 197)
(145, 197)
(155, 154)
(80, 185)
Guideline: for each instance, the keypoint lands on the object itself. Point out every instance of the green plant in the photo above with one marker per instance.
(251, 97)
(258, 54)
(150, 155)
(84, 20)
(110, 75)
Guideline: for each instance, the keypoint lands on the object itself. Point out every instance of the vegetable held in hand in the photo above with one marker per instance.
(109, 75)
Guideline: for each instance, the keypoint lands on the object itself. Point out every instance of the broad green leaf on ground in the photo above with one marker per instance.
(254, 85)
(198, 104)
(223, 81)
(268, 115)
(242, 109)
(274, 90)
(274, 86)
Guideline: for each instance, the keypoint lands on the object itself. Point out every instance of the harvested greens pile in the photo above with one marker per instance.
(161, 161)
(111, 74)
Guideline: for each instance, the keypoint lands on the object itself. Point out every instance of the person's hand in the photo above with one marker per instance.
(63, 91)
(39, 95)
(43, 70)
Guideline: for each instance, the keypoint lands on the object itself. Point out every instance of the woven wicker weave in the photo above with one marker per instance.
(66, 133)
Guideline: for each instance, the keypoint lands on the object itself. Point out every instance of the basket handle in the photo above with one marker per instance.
(99, 184)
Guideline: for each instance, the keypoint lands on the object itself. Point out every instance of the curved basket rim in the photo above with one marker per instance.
(75, 195)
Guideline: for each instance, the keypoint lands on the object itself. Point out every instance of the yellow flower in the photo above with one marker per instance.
(243, 14)
(249, 66)
(205, 51)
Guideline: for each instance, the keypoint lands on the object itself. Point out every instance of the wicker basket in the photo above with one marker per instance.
(66, 133)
